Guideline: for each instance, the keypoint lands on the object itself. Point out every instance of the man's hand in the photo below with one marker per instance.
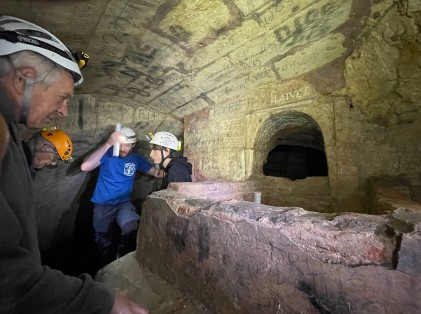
(114, 137)
(123, 305)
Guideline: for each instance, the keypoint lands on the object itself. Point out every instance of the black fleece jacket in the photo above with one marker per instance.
(177, 170)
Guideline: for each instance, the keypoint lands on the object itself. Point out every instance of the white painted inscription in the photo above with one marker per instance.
(278, 98)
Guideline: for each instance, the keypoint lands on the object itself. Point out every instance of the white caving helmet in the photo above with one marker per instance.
(128, 136)
(165, 139)
(19, 35)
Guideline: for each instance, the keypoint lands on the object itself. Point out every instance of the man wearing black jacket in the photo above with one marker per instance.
(37, 77)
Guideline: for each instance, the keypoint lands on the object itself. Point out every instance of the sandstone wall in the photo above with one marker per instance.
(356, 77)
(230, 76)
(350, 68)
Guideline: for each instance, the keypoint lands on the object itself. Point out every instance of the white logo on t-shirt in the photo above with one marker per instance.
(129, 169)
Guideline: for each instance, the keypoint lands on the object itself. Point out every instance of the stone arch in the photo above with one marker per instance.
(291, 129)
(288, 128)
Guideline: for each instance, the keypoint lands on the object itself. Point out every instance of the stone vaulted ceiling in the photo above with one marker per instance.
(175, 57)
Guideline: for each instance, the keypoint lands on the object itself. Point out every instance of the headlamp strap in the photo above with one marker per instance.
(27, 94)
(15, 37)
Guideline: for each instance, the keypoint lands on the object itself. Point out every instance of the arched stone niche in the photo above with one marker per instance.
(237, 148)
(291, 129)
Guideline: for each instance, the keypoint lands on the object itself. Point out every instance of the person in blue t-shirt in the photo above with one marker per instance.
(112, 195)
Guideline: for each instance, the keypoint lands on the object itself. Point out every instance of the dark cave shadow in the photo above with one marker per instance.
(78, 254)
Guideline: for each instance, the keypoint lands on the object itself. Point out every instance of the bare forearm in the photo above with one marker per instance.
(92, 160)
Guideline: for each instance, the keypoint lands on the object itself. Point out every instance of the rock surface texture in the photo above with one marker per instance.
(235, 79)
(242, 257)
(146, 288)
(339, 76)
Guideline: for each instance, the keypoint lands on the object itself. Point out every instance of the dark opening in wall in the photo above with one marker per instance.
(295, 147)
(295, 162)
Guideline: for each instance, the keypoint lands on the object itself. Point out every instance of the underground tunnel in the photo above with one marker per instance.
(314, 104)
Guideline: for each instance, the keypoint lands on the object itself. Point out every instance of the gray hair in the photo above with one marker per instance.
(43, 66)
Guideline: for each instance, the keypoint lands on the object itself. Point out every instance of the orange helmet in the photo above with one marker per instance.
(61, 142)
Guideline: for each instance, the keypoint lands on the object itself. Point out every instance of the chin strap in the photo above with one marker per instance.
(158, 170)
(27, 94)
(27, 98)
(161, 164)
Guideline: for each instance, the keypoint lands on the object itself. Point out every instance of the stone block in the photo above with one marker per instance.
(243, 257)
(410, 254)
(407, 222)
(216, 191)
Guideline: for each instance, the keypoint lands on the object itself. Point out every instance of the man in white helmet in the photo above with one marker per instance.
(164, 146)
(112, 197)
(37, 77)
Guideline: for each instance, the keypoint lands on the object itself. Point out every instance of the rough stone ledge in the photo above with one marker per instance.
(241, 257)
(216, 191)
(349, 238)
(146, 288)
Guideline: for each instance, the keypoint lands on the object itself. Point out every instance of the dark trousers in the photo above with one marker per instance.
(115, 230)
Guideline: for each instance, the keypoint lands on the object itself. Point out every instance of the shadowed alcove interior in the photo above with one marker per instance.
(292, 162)
(299, 150)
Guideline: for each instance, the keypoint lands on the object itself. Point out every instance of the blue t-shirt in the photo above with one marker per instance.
(116, 177)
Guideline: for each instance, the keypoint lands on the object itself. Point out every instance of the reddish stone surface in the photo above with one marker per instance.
(243, 257)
